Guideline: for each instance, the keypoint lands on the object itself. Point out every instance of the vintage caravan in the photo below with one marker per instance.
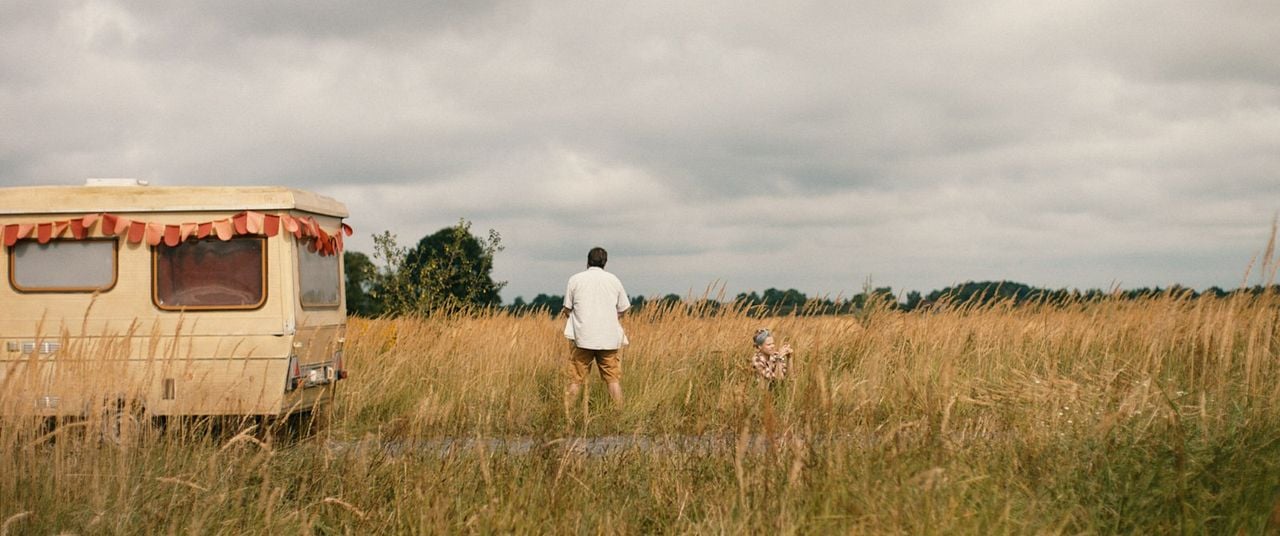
(161, 301)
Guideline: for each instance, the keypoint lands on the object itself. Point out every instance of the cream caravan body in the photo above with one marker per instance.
(176, 300)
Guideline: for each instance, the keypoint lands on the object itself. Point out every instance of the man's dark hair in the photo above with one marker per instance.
(597, 257)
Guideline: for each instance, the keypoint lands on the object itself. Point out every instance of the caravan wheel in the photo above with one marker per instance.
(123, 424)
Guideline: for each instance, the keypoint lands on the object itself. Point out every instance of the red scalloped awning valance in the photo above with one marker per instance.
(303, 228)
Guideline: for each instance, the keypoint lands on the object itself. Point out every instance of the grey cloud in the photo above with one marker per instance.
(1191, 42)
(919, 142)
(209, 24)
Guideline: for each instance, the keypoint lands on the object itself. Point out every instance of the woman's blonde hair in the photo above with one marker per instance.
(761, 335)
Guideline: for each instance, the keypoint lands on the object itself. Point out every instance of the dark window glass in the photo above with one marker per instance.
(211, 274)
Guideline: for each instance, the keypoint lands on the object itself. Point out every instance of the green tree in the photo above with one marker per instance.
(544, 303)
(784, 302)
(448, 269)
(361, 278)
(913, 300)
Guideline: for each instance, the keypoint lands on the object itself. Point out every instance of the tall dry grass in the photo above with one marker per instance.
(1156, 415)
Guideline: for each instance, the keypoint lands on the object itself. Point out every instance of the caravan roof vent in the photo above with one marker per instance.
(115, 182)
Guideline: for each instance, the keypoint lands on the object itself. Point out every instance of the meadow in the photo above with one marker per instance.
(1158, 415)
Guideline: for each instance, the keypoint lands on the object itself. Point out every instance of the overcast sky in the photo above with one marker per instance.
(789, 144)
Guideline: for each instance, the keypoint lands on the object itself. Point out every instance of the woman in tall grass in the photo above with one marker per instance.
(770, 362)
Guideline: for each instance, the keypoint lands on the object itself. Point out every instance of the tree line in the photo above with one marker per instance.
(452, 269)
(778, 302)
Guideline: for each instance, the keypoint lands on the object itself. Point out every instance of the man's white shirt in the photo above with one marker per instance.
(596, 298)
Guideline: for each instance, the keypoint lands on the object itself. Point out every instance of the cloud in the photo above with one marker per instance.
(789, 144)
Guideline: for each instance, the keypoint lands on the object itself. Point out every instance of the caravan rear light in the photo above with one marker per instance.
(295, 374)
(339, 368)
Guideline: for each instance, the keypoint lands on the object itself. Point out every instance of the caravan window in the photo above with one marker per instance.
(210, 274)
(317, 278)
(63, 266)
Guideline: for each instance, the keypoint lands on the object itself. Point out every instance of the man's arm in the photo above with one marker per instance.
(566, 306)
(624, 302)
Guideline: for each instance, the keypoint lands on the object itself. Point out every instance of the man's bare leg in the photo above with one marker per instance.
(615, 392)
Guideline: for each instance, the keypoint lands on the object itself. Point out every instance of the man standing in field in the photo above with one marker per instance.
(593, 302)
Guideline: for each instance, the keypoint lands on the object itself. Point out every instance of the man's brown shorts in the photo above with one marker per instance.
(580, 361)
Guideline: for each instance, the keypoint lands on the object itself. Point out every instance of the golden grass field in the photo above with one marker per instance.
(1152, 416)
